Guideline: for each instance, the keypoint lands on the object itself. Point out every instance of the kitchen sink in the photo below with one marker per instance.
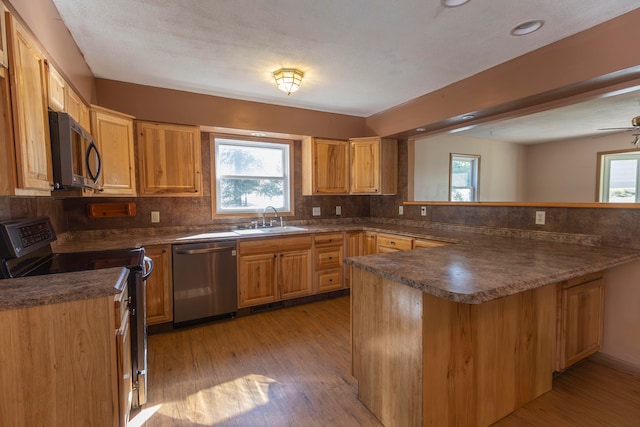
(269, 230)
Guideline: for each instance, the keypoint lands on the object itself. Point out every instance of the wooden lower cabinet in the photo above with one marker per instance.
(66, 364)
(427, 243)
(369, 243)
(329, 253)
(275, 269)
(159, 286)
(580, 319)
(354, 247)
(392, 243)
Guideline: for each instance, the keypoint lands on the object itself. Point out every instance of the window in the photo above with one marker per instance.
(619, 177)
(463, 178)
(251, 175)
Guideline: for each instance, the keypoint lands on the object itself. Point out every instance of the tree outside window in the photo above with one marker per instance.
(619, 177)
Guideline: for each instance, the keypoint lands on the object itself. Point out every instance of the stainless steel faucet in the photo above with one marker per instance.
(264, 213)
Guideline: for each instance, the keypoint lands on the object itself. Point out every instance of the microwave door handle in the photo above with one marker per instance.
(94, 177)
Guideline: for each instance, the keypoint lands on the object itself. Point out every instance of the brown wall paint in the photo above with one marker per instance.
(43, 19)
(582, 59)
(174, 106)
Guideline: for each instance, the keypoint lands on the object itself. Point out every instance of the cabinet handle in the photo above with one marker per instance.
(391, 242)
(330, 257)
(330, 280)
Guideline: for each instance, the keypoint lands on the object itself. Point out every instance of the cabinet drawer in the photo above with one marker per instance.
(328, 239)
(329, 257)
(266, 245)
(394, 242)
(329, 280)
(426, 243)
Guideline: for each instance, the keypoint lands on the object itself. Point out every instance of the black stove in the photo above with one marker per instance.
(25, 250)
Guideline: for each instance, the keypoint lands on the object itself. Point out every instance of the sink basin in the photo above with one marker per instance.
(269, 230)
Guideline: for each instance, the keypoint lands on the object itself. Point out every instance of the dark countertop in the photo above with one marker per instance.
(27, 292)
(478, 267)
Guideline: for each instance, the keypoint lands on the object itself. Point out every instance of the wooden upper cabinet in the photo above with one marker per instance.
(57, 88)
(113, 132)
(77, 108)
(374, 165)
(325, 166)
(4, 56)
(29, 107)
(168, 159)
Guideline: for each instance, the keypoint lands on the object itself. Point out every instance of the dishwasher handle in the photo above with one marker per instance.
(204, 250)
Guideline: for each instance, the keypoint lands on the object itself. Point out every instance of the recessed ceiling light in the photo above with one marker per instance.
(453, 3)
(258, 134)
(527, 27)
(420, 129)
(468, 117)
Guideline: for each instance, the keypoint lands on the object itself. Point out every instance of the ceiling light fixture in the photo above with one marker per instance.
(453, 3)
(288, 79)
(468, 117)
(420, 129)
(527, 27)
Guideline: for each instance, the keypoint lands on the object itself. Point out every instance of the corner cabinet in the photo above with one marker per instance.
(159, 286)
(580, 319)
(31, 146)
(374, 165)
(168, 159)
(273, 269)
(113, 132)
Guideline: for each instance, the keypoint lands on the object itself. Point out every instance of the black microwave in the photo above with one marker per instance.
(74, 153)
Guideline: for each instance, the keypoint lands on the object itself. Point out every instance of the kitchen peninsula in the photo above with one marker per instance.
(463, 334)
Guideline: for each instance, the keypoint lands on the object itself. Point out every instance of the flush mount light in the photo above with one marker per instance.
(527, 27)
(288, 79)
(420, 129)
(258, 134)
(453, 3)
(468, 117)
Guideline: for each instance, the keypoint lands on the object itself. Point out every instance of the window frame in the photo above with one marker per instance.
(256, 141)
(604, 159)
(475, 188)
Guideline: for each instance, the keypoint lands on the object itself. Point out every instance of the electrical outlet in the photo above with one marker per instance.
(423, 210)
(540, 217)
(400, 210)
(316, 211)
(338, 210)
(155, 216)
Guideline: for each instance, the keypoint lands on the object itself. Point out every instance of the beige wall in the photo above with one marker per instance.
(501, 166)
(565, 171)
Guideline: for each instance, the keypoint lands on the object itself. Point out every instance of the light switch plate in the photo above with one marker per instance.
(540, 217)
(316, 211)
(400, 210)
(338, 210)
(155, 216)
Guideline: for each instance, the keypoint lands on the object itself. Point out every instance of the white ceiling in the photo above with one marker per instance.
(359, 57)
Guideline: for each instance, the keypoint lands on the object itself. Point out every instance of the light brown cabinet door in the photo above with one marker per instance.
(77, 108)
(125, 382)
(581, 321)
(256, 279)
(392, 243)
(365, 166)
(426, 243)
(30, 116)
(113, 132)
(355, 247)
(331, 166)
(56, 90)
(168, 159)
(294, 273)
(159, 286)
(369, 243)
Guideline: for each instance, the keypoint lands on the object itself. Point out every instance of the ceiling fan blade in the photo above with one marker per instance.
(632, 128)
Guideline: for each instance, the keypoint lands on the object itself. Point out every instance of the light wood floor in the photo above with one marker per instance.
(291, 367)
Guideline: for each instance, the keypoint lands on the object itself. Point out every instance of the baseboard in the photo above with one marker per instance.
(615, 363)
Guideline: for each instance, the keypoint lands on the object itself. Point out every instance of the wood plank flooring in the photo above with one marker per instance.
(291, 367)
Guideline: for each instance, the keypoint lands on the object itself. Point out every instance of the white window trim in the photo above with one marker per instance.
(476, 187)
(289, 183)
(604, 163)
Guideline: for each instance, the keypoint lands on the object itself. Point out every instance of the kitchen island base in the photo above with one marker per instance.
(421, 360)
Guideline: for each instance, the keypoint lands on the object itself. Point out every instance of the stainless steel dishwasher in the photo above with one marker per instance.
(204, 281)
